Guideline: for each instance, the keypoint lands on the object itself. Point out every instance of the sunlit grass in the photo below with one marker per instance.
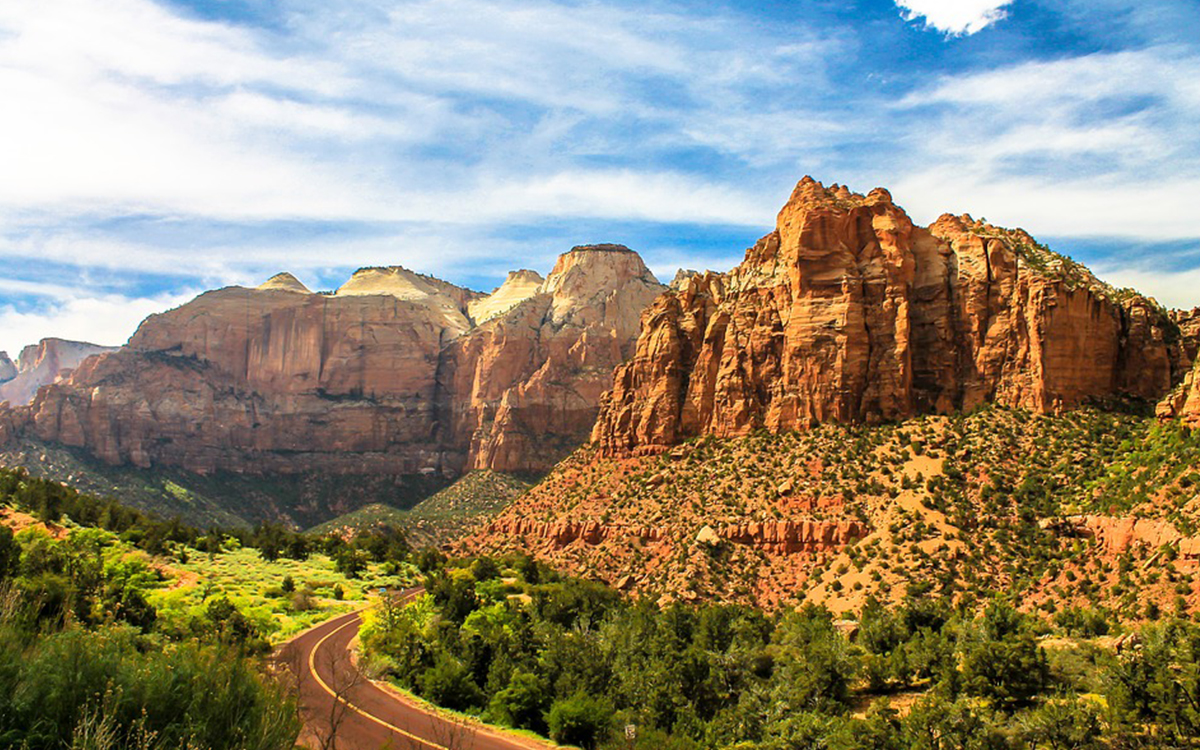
(255, 586)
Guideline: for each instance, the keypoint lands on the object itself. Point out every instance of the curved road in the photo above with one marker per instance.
(345, 711)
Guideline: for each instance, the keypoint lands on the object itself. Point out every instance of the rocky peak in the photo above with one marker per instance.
(43, 363)
(681, 277)
(8, 370)
(848, 312)
(447, 301)
(526, 384)
(584, 279)
(283, 282)
(518, 287)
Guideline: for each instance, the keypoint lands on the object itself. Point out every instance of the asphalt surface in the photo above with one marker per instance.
(340, 704)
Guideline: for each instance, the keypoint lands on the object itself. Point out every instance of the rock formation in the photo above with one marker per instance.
(518, 287)
(1184, 401)
(1117, 535)
(284, 282)
(41, 364)
(390, 374)
(522, 389)
(1188, 322)
(8, 370)
(848, 312)
(682, 276)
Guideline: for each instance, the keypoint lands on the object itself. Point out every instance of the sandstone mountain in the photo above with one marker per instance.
(41, 364)
(796, 424)
(522, 390)
(848, 312)
(392, 374)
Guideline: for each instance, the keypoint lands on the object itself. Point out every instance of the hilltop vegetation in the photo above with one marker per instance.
(999, 499)
(440, 518)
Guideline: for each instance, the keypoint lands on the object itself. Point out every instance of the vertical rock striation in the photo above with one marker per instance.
(522, 389)
(389, 375)
(848, 312)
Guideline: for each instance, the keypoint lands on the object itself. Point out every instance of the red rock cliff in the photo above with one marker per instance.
(848, 312)
(522, 389)
(388, 375)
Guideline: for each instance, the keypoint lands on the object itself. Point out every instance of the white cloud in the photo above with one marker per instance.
(955, 17)
(1101, 145)
(1175, 289)
(361, 114)
(430, 125)
(108, 320)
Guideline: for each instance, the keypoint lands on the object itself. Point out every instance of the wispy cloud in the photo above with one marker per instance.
(106, 319)
(157, 150)
(1171, 287)
(1095, 145)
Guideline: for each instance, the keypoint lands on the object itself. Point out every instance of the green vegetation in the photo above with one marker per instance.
(962, 506)
(474, 498)
(441, 517)
(515, 643)
(119, 629)
(86, 661)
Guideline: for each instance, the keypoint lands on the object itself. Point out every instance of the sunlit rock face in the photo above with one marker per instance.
(523, 388)
(395, 372)
(848, 312)
(41, 364)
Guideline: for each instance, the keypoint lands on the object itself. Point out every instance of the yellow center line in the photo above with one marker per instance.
(312, 667)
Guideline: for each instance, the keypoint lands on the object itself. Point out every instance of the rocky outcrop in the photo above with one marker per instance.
(562, 533)
(788, 537)
(682, 276)
(1117, 535)
(389, 374)
(1184, 401)
(1188, 322)
(41, 364)
(847, 312)
(8, 370)
(774, 537)
(522, 389)
(283, 282)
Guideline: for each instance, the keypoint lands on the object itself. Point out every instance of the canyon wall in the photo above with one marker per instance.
(390, 374)
(522, 390)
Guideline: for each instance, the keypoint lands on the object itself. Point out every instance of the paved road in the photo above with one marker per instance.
(338, 700)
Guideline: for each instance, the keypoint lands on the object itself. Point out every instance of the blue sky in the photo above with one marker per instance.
(152, 149)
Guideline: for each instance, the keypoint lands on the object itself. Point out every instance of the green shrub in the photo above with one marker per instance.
(580, 720)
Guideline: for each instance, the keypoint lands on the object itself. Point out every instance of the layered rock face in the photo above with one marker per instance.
(1183, 402)
(848, 312)
(261, 380)
(41, 364)
(518, 287)
(390, 374)
(522, 389)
